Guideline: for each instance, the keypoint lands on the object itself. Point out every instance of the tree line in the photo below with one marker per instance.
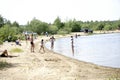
(10, 31)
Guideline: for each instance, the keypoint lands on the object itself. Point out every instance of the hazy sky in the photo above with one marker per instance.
(23, 11)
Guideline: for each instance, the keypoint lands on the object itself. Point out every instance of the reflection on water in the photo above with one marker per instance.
(101, 49)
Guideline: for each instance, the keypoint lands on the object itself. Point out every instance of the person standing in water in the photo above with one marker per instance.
(76, 35)
(72, 45)
(52, 39)
(42, 45)
(32, 43)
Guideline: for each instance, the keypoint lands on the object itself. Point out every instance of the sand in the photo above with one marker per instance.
(50, 65)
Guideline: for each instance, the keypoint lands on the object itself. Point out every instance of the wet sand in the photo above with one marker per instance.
(50, 65)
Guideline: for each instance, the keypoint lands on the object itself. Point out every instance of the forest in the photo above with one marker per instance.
(9, 31)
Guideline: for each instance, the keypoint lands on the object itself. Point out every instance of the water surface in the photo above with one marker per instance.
(103, 49)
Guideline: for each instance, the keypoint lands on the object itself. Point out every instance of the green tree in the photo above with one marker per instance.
(76, 26)
(119, 26)
(1, 21)
(68, 26)
(37, 26)
(8, 22)
(100, 26)
(7, 33)
(107, 27)
(15, 24)
(58, 23)
(53, 29)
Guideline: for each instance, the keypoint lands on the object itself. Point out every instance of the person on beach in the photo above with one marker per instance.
(26, 37)
(42, 45)
(76, 35)
(18, 42)
(72, 45)
(32, 43)
(4, 53)
(46, 33)
(52, 39)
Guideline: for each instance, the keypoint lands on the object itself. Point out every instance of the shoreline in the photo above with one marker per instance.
(52, 66)
(58, 51)
(58, 54)
(95, 33)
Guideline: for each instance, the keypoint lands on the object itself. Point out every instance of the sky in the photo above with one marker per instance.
(23, 11)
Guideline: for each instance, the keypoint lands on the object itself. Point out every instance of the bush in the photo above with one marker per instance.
(14, 38)
(62, 32)
(8, 33)
(53, 29)
(1, 42)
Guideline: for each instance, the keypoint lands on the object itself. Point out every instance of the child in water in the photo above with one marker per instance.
(72, 45)
(52, 39)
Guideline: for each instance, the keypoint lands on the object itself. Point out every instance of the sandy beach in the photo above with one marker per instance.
(50, 65)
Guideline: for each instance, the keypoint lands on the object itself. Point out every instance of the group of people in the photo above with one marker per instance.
(31, 38)
(52, 39)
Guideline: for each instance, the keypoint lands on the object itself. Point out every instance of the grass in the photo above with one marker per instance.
(4, 64)
(114, 77)
(16, 50)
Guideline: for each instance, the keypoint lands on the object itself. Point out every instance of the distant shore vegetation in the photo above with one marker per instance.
(10, 31)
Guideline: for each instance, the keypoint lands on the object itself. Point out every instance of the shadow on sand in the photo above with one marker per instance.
(9, 56)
